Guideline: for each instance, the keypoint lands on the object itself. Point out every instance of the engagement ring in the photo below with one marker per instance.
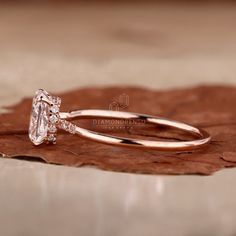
(46, 119)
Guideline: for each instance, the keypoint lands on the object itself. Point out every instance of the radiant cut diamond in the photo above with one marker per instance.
(39, 118)
(44, 118)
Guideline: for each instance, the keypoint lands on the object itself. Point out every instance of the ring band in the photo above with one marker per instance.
(46, 119)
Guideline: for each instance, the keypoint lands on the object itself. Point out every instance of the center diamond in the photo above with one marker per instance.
(45, 110)
(39, 118)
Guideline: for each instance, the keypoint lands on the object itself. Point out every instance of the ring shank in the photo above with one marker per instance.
(202, 136)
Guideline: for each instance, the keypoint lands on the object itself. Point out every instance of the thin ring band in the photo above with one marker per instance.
(203, 136)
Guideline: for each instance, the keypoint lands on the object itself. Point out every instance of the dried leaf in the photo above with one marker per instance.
(210, 107)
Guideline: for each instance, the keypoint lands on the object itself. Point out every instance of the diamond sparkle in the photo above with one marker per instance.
(52, 129)
(44, 116)
(53, 118)
(39, 118)
(54, 109)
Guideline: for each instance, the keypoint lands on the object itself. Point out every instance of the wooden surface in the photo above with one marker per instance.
(211, 108)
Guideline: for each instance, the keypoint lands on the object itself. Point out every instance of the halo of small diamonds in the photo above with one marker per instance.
(53, 119)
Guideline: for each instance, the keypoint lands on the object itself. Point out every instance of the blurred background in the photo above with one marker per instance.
(61, 45)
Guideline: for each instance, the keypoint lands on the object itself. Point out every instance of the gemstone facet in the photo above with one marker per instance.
(54, 109)
(52, 129)
(52, 138)
(53, 118)
(44, 118)
(39, 118)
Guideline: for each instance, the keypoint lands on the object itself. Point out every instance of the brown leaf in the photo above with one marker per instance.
(212, 108)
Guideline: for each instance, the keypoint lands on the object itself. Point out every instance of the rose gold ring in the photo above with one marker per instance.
(46, 119)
